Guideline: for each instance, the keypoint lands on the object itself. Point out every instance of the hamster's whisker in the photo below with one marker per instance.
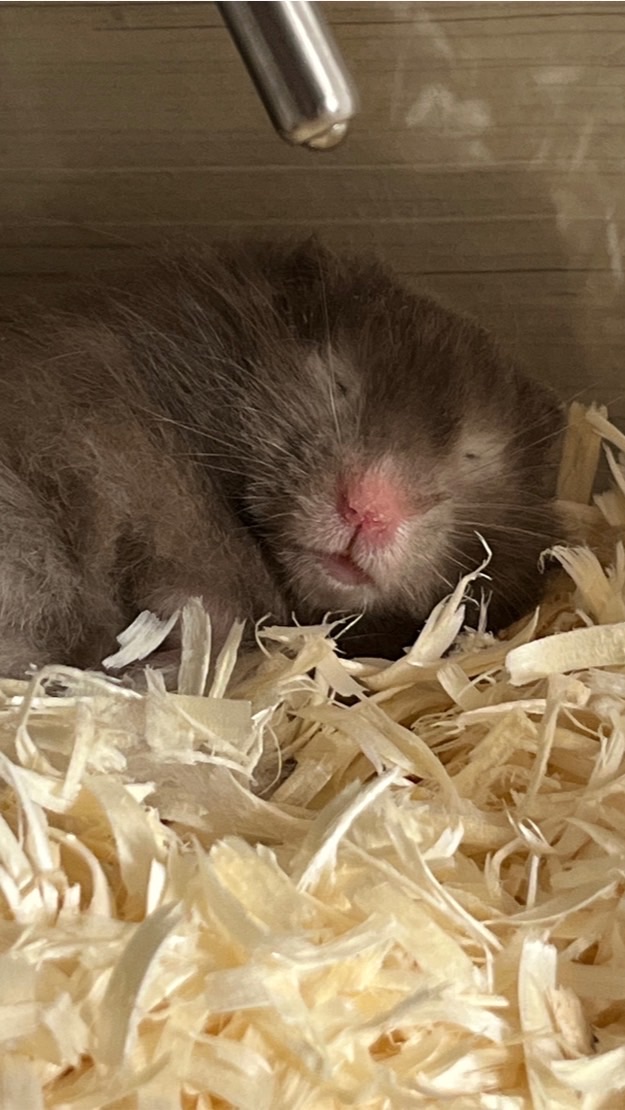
(495, 528)
(523, 431)
(415, 596)
(461, 564)
(530, 508)
(232, 445)
(329, 353)
(195, 429)
(482, 516)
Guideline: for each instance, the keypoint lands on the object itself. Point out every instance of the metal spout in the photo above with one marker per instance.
(296, 66)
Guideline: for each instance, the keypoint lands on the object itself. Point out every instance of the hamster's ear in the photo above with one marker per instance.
(541, 405)
(310, 258)
(303, 274)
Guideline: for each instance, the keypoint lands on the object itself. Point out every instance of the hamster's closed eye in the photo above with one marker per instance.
(481, 448)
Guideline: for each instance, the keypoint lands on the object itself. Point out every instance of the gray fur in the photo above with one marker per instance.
(182, 431)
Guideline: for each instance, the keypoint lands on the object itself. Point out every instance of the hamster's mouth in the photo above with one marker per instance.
(343, 569)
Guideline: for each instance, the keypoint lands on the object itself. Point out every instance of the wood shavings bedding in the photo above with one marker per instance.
(427, 910)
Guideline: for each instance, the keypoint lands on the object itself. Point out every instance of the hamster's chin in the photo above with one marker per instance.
(332, 581)
(341, 570)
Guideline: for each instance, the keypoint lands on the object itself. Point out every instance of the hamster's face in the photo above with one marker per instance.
(398, 440)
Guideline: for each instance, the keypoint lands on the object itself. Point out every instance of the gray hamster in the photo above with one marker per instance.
(276, 429)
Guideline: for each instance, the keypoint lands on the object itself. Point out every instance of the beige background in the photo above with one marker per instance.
(488, 162)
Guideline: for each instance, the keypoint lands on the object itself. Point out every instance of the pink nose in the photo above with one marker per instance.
(373, 506)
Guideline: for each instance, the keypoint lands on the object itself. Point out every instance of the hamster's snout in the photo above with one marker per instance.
(365, 532)
(369, 510)
(372, 506)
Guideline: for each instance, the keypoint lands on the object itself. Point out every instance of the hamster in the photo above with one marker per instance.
(278, 430)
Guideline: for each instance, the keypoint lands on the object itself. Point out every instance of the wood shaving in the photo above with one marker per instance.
(421, 905)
